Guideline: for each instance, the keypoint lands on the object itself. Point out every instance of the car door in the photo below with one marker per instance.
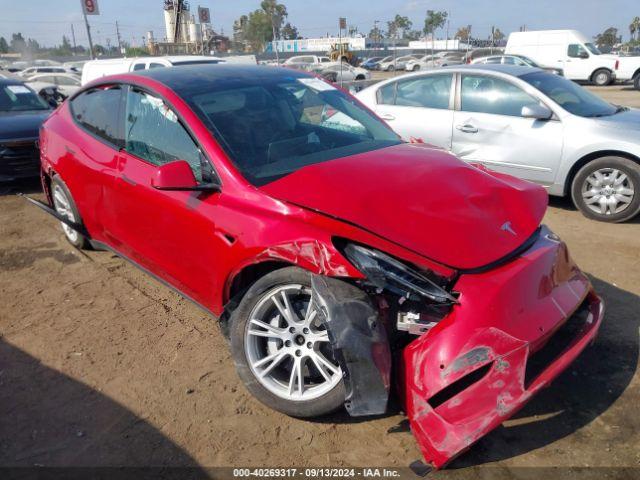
(577, 65)
(419, 107)
(169, 233)
(93, 152)
(489, 129)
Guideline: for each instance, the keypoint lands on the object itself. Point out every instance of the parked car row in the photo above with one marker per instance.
(285, 208)
(524, 122)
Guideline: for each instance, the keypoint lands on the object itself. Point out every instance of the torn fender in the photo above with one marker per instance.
(359, 342)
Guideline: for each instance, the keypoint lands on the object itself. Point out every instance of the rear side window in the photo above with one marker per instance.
(138, 66)
(432, 91)
(98, 111)
(154, 134)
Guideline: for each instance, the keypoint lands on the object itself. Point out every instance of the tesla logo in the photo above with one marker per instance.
(506, 227)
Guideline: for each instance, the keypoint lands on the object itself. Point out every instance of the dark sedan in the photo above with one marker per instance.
(22, 112)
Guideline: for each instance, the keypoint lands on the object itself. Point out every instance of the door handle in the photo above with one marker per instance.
(387, 116)
(467, 128)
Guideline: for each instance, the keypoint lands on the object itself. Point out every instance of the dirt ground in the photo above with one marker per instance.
(101, 365)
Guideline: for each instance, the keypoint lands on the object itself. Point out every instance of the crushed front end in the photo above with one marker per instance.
(514, 329)
(470, 350)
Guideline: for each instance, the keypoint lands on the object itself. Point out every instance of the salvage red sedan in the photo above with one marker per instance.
(345, 265)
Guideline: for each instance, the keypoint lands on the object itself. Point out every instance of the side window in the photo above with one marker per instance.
(510, 61)
(576, 50)
(154, 133)
(492, 95)
(47, 79)
(98, 111)
(138, 66)
(431, 91)
(493, 60)
(387, 94)
(156, 65)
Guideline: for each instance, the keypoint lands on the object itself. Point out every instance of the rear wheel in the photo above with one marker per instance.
(281, 350)
(391, 68)
(636, 82)
(64, 205)
(601, 77)
(608, 189)
(416, 68)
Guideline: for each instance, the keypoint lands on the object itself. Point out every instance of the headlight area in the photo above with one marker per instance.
(419, 298)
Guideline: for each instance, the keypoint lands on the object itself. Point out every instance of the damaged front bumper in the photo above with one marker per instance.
(515, 329)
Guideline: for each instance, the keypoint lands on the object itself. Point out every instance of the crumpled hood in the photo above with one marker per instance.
(18, 125)
(423, 199)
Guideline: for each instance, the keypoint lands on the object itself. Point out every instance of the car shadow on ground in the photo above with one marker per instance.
(582, 393)
(49, 419)
(28, 185)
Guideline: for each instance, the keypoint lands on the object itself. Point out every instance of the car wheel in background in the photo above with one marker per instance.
(281, 350)
(636, 82)
(390, 68)
(601, 77)
(416, 68)
(608, 189)
(63, 204)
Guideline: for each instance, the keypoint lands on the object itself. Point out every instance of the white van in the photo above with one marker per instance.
(112, 66)
(568, 50)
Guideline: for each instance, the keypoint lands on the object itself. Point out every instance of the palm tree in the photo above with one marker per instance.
(634, 28)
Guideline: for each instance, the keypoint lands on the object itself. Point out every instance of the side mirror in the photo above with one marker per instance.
(179, 176)
(537, 111)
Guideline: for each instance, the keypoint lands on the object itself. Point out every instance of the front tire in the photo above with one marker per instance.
(601, 77)
(390, 68)
(416, 68)
(636, 82)
(608, 189)
(281, 351)
(64, 205)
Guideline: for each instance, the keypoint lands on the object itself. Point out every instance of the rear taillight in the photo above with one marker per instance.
(617, 64)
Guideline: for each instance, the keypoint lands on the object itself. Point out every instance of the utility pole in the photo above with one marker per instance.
(118, 37)
(86, 22)
(73, 39)
(375, 28)
(447, 44)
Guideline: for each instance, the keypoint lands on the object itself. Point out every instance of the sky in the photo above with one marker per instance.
(47, 20)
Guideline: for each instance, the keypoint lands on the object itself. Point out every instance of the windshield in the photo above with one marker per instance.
(569, 95)
(280, 125)
(16, 98)
(593, 49)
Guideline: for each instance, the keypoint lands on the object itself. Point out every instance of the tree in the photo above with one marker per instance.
(464, 33)
(412, 34)
(66, 45)
(32, 45)
(289, 32)
(18, 43)
(608, 38)
(4, 46)
(376, 34)
(396, 28)
(634, 29)
(260, 26)
(434, 21)
(497, 36)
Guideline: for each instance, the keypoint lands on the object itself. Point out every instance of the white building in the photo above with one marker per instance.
(453, 44)
(315, 44)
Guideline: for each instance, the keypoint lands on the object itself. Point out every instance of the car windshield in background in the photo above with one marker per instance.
(276, 127)
(570, 96)
(16, 98)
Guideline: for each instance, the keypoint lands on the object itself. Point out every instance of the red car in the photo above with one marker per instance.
(345, 265)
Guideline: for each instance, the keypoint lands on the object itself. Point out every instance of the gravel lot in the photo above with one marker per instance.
(100, 364)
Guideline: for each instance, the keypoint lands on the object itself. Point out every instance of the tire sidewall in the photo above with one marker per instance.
(325, 404)
(629, 167)
(81, 241)
(598, 72)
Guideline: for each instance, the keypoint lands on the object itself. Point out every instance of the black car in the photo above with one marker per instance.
(22, 112)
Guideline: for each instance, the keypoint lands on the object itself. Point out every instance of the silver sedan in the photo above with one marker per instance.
(524, 122)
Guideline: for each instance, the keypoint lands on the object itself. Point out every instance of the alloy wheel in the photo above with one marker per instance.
(287, 347)
(62, 204)
(608, 191)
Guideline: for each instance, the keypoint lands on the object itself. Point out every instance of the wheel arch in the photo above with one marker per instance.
(593, 74)
(575, 168)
